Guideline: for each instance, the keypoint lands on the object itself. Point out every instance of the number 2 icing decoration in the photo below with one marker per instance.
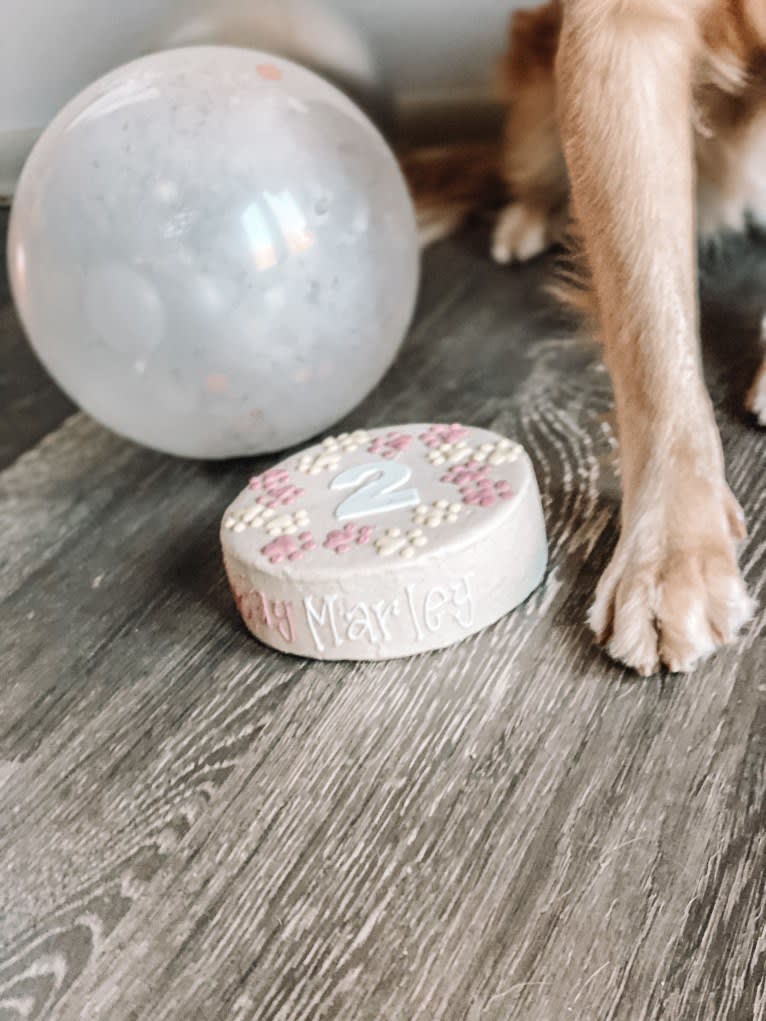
(378, 489)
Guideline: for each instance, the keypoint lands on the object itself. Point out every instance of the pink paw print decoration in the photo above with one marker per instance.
(342, 539)
(436, 435)
(474, 485)
(275, 488)
(485, 492)
(289, 547)
(388, 446)
(462, 474)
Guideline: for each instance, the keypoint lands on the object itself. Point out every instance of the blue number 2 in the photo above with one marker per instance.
(379, 489)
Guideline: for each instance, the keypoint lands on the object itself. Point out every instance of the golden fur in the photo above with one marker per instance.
(643, 121)
(728, 113)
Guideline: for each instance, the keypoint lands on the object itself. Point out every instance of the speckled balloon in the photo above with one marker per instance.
(213, 252)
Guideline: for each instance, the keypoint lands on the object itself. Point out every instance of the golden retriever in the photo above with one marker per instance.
(642, 123)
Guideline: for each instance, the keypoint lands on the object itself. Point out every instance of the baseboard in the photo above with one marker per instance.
(15, 146)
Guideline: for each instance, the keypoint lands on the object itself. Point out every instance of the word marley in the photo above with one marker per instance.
(332, 623)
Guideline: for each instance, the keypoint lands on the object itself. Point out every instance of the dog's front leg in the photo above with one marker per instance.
(673, 591)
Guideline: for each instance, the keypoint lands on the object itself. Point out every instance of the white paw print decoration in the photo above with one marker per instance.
(252, 517)
(288, 524)
(347, 443)
(333, 449)
(450, 453)
(437, 513)
(501, 452)
(406, 544)
(315, 464)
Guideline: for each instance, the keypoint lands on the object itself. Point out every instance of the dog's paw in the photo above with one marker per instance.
(521, 233)
(672, 603)
(756, 397)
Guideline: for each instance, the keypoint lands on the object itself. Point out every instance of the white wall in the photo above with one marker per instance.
(404, 59)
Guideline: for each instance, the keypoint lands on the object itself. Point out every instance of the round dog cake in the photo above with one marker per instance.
(385, 543)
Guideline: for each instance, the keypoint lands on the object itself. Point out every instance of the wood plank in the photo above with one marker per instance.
(192, 826)
(31, 402)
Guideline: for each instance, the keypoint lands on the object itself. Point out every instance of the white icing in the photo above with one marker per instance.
(430, 553)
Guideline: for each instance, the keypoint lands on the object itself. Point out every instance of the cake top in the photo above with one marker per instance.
(374, 499)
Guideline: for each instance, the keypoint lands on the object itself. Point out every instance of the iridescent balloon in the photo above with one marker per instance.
(213, 252)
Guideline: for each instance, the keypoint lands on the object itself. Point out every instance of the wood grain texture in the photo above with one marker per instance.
(194, 827)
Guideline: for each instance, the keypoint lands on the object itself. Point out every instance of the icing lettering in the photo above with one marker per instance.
(315, 618)
(433, 608)
(455, 602)
(276, 614)
(361, 623)
(410, 591)
(331, 622)
(461, 598)
(381, 611)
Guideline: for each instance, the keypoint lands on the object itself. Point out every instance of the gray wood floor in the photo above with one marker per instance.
(193, 827)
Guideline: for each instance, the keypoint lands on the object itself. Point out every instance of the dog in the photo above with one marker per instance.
(636, 125)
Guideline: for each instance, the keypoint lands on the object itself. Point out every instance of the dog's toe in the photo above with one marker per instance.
(673, 612)
(756, 398)
(520, 234)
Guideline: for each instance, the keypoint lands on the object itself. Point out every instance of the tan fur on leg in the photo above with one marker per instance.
(450, 182)
(672, 592)
(730, 117)
(533, 161)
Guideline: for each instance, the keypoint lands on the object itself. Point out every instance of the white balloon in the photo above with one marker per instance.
(213, 251)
